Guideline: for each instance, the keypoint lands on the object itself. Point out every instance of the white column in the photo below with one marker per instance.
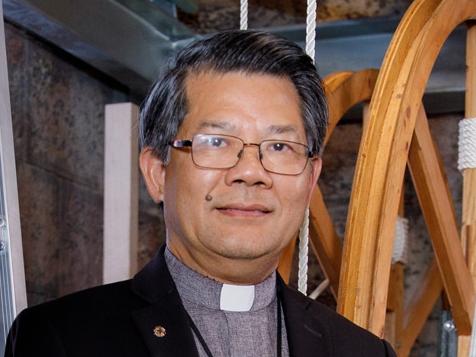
(10, 238)
(121, 186)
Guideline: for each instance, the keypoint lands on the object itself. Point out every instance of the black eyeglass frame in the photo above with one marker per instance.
(188, 143)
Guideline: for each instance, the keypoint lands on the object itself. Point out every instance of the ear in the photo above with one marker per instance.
(316, 166)
(153, 171)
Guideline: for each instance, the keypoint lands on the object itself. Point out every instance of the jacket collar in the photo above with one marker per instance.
(307, 335)
(165, 309)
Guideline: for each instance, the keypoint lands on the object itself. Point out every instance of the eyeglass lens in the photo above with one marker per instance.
(223, 151)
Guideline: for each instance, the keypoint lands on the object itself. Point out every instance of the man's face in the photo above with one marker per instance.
(253, 214)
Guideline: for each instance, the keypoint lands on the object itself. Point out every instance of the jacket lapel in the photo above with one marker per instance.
(307, 336)
(163, 323)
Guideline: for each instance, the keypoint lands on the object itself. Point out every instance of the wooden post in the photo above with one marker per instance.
(468, 227)
(121, 174)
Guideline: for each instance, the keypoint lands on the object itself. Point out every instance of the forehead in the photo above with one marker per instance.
(241, 102)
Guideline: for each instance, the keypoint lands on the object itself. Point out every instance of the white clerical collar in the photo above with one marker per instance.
(203, 291)
(237, 298)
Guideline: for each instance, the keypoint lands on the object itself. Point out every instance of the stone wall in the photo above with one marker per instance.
(58, 122)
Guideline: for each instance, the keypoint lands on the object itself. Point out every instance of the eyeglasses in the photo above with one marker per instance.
(213, 151)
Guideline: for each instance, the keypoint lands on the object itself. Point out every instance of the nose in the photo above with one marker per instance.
(248, 169)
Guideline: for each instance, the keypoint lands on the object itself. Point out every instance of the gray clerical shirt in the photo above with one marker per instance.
(250, 333)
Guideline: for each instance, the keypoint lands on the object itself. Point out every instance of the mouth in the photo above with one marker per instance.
(238, 210)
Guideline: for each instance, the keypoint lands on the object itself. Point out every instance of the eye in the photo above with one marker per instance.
(217, 141)
(279, 147)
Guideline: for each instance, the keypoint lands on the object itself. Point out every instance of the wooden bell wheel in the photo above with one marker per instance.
(398, 132)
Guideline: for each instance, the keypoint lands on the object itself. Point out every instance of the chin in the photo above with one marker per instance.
(244, 249)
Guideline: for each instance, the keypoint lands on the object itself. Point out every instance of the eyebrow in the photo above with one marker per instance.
(223, 125)
(281, 129)
(226, 126)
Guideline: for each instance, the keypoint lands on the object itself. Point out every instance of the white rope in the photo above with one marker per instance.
(304, 232)
(472, 350)
(311, 28)
(400, 243)
(303, 253)
(320, 289)
(467, 144)
(243, 14)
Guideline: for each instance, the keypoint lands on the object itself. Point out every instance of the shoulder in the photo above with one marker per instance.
(81, 319)
(343, 336)
(97, 300)
(347, 336)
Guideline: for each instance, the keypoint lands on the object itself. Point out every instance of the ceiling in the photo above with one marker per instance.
(131, 40)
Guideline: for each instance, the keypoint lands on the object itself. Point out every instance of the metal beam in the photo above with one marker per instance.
(354, 45)
(127, 40)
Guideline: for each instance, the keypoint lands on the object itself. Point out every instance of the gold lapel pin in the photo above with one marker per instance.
(159, 331)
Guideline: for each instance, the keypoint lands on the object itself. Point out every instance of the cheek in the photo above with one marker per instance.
(295, 192)
(187, 187)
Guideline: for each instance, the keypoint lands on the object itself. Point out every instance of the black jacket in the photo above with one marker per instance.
(118, 320)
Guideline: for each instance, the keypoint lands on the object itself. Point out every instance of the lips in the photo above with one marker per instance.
(244, 210)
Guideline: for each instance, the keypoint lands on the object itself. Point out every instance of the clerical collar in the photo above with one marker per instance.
(201, 290)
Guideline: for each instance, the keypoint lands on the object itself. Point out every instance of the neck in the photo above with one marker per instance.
(197, 289)
(226, 270)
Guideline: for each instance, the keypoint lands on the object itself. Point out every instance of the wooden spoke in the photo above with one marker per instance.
(420, 306)
(437, 207)
(325, 240)
(381, 165)
(394, 318)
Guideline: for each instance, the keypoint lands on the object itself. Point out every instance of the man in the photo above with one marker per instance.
(231, 141)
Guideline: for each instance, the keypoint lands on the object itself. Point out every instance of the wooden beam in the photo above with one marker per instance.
(468, 229)
(395, 301)
(437, 206)
(419, 308)
(121, 192)
(394, 317)
(286, 261)
(325, 240)
(468, 226)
